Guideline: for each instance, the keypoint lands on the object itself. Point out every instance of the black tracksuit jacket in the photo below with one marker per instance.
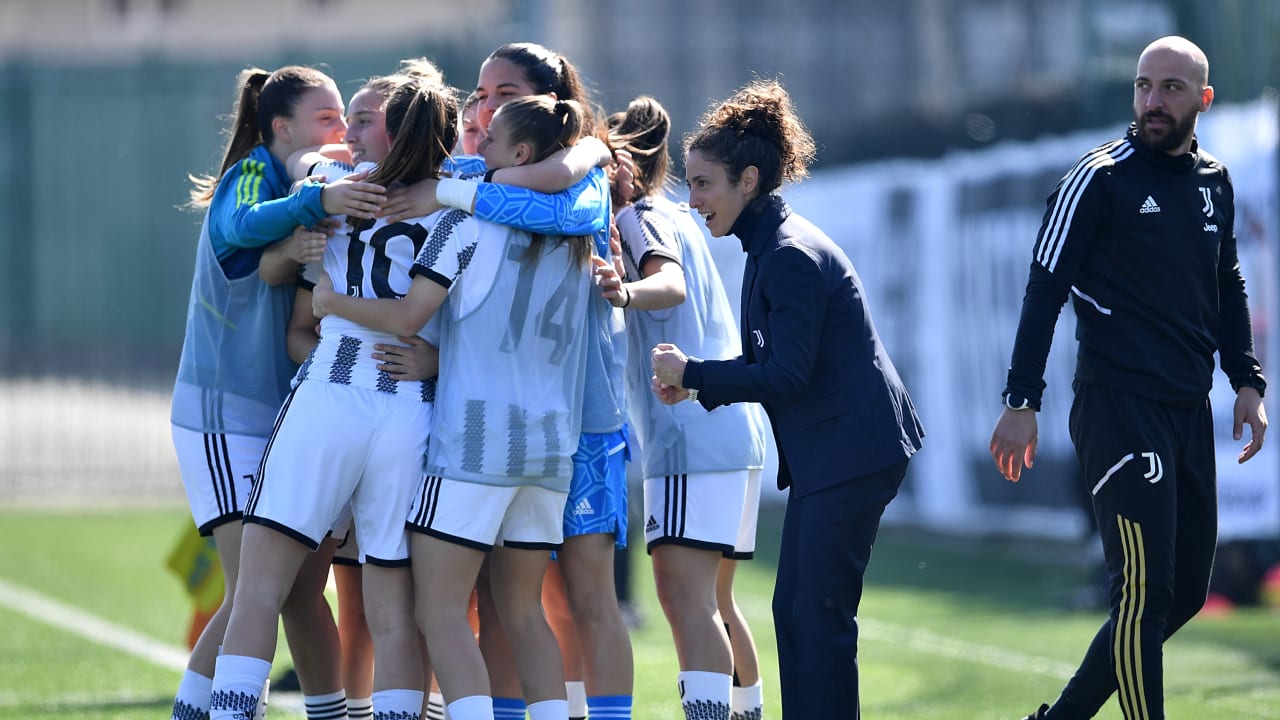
(1145, 244)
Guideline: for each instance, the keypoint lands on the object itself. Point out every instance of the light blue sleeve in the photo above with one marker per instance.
(583, 209)
(461, 165)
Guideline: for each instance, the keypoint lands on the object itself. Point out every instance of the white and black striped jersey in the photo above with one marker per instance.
(372, 260)
(330, 170)
(1145, 244)
(513, 351)
(683, 438)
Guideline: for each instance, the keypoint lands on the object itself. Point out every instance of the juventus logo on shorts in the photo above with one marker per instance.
(1207, 194)
(759, 338)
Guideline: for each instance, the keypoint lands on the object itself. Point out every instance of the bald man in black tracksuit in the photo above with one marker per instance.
(1140, 234)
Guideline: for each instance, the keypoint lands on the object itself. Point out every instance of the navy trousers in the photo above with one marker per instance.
(826, 544)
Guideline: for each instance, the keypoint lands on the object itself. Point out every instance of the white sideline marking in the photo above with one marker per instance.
(933, 643)
(42, 608)
(50, 611)
(45, 609)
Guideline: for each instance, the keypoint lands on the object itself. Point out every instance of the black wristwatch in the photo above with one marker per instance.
(1018, 403)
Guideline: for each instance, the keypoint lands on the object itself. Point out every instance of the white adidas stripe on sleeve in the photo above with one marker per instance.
(1049, 248)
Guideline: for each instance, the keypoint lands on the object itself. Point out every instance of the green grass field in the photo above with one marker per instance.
(950, 629)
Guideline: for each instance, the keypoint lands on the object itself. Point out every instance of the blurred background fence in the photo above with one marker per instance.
(942, 125)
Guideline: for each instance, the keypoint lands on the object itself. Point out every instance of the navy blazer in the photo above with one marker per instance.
(810, 356)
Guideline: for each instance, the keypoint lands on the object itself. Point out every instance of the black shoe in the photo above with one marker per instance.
(1040, 714)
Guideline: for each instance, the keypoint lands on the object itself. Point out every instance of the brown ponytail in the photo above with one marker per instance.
(262, 98)
(422, 120)
(643, 130)
(243, 135)
(547, 125)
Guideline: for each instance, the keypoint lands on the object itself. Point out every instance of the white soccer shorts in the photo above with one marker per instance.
(217, 473)
(337, 443)
(479, 516)
(712, 511)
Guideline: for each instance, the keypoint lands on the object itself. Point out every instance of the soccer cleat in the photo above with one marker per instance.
(1040, 714)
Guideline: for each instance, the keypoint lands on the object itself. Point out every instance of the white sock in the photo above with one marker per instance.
(549, 710)
(406, 704)
(237, 686)
(577, 692)
(260, 713)
(471, 707)
(192, 699)
(747, 703)
(705, 695)
(435, 707)
(360, 708)
(329, 706)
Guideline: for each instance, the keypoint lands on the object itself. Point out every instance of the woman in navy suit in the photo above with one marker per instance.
(844, 424)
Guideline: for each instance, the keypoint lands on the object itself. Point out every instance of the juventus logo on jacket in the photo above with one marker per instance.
(1207, 194)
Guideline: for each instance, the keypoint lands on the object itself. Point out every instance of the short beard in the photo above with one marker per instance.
(1177, 133)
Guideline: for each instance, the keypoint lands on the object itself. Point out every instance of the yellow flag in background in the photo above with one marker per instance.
(194, 559)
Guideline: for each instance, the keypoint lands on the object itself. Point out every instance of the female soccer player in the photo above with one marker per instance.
(411, 358)
(509, 413)
(596, 513)
(234, 372)
(348, 433)
(520, 70)
(710, 461)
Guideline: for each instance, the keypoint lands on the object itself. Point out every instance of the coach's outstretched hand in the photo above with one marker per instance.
(1013, 442)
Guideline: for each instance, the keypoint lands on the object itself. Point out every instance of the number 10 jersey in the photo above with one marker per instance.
(369, 261)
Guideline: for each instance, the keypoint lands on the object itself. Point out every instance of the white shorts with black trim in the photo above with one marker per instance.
(337, 443)
(217, 473)
(525, 517)
(711, 511)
